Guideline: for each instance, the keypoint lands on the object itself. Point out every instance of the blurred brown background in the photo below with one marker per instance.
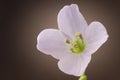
(21, 22)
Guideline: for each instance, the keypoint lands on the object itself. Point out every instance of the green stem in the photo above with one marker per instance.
(83, 77)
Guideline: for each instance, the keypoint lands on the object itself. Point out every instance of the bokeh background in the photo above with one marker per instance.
(21, 22)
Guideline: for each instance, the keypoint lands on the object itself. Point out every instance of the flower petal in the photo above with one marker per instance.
(70, 20)
(96, 35)
(74, 64)
(51, 42)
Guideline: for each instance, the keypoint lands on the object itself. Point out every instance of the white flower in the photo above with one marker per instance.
(74, 42)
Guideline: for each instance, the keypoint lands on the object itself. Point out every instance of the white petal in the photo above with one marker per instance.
(70, 20)
(74, 64)
(96, 35)
(51, 42)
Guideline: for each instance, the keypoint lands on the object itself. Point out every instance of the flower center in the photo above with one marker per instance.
(77, 45)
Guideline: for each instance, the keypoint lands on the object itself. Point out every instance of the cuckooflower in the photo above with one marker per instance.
(74, 42)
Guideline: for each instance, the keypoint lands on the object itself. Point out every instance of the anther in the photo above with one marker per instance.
(67, 41)
(78, 34)
(76, 46)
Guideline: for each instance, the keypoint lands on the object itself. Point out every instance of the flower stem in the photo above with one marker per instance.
(83, 77)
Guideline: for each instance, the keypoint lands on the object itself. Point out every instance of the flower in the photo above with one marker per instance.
(74, 42)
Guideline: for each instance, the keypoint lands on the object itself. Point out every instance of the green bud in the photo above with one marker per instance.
(83, 77)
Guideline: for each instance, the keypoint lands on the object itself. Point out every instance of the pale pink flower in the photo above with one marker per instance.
(74, 42)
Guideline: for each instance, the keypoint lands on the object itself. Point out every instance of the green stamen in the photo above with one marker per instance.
(78, 45)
